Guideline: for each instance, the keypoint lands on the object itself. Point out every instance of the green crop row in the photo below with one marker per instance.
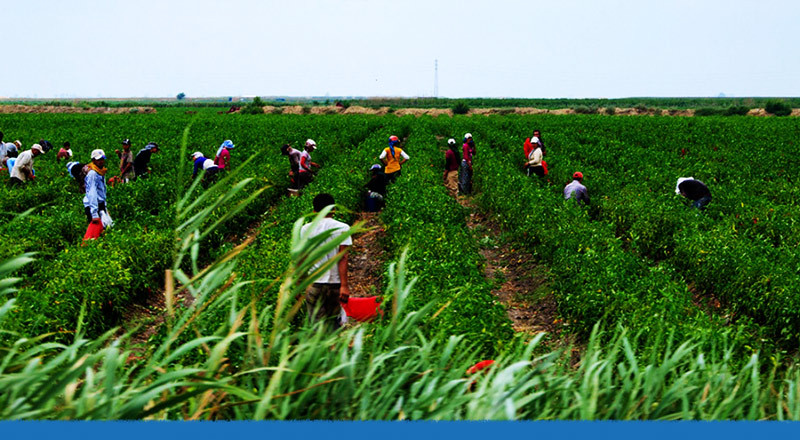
(421, 214)
(128, 263)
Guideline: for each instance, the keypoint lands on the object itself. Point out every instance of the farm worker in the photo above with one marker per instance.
(94, 202)
(78, 171)
(393, 158)
(305, 170)
(294, 164)
(202, 163)
(223, 157)
(465, 176)
(536, 139)
(22, 170)
(323, 298)
(4, 147)
(8, 154)
(452, 159)
(534, 161)
(694, 190)
(46, 145)
(12, 149)
(64, 152)
(142, 160)
(575, 189)
(376, 189)
(126, 173)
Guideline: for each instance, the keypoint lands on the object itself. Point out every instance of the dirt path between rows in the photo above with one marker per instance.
(150, 313)
(366, 258)
(521, 284)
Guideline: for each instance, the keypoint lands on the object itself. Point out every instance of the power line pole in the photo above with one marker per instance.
(436, 78)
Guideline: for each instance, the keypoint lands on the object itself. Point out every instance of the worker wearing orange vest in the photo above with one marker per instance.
(393, 157)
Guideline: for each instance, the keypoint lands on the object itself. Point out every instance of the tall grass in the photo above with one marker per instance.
(256, 365)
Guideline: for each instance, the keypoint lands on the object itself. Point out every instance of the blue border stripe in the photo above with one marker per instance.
(556, 430)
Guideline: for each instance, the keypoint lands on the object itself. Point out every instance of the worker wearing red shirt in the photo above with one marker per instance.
(452, 159)
(465, 177)
(223, 156)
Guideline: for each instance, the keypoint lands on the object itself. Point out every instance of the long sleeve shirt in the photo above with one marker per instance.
(23, 167)
(305, 162)
(694, 189)
(535, 157)
(578, 191)
(95, 192)
(141, 161)
(223, 159)
(466, 153)
(294, 160)
(198, 165)
(450, 161)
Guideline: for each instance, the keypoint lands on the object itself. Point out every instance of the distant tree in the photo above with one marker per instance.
(778, 108)
(181, 95)
(460, 108)
(256, 107)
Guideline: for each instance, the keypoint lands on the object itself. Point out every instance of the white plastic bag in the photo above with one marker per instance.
(106, 219)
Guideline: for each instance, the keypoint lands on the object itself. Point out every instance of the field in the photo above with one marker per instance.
(660, 311)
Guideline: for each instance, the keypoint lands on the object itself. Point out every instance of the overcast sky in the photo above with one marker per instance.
(492, 48)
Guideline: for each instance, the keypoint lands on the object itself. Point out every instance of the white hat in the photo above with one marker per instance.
(451, 141)
(37, 147)
(197, 154)
(468, 136)
(311, 143)
(681, 180)
(98, 154)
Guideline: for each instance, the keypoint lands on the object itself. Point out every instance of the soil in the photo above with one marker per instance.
(359, 110)
(366, 258)
(68, 109)
(148, 315)
(522, 284)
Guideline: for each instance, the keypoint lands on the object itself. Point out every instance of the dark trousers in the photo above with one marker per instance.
(15, 181)
(322, 303)
(303, 179)
(88, 211)
(391, 177)
(701, 203)
(539, 171)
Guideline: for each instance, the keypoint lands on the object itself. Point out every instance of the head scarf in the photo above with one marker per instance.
(227, 144)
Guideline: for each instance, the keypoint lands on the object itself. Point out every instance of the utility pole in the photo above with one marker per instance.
(436, 78)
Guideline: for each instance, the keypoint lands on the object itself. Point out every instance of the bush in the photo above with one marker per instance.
(254, 108)
(778, 108)
(708, 111)
(736, 110)
(460, 108)
(611, 111)
(585, 110)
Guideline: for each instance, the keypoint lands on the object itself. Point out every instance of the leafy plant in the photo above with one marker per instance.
(460, 108)
(778, 108)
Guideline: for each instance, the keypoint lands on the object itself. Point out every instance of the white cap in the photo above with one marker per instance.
(197, 154)
(451, 141)
(311, 142)
(681, 180)
(98, 154)
(37, 147)
(468, 136)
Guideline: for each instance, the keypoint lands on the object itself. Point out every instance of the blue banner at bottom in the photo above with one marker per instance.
(396, 430)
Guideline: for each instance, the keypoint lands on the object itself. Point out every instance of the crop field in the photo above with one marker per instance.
(662, 311)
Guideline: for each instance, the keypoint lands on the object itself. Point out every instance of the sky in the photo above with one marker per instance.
(526, 49)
